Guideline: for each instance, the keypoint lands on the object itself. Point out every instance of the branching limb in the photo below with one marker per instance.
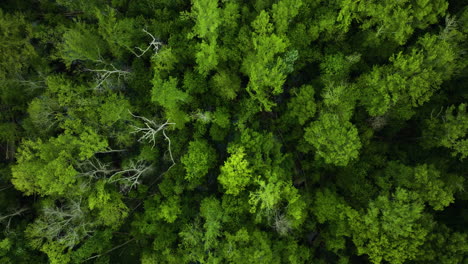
(7, 218)
(109, 150)
(150, 130)
(95, 169)
(6, 187)
(153, 44)
(131, 175)
(103, 74)
(110, 250)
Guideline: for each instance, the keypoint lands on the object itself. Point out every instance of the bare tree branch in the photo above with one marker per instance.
(110, 250)
(130, 175)
(103, 74)
(154, 44)
(95, 169)
(9, 217)
(150, 130)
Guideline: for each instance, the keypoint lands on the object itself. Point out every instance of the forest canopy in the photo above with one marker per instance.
(232, 131)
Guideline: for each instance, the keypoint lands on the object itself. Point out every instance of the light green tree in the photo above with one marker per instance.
(199, 158)
(235, 173)
(335, 141)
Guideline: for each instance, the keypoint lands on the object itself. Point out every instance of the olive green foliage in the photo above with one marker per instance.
(198, 160)
(235, 173)
(228, 131)
(336, 142)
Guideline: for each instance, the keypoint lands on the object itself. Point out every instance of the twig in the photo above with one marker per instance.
(154, 43)
(110, 250)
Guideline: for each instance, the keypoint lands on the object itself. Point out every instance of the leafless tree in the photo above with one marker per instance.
(102, 75)
(66, 224)
(281, 223)
(153, 44)
(450, 25)
(130, 176)
(150, 130)
(95, 169)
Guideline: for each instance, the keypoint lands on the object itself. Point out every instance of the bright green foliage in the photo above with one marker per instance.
(211, 211)
(269, 199)
(265, 69)
(55, 253)
(302, 106)
(47, 168)
(166, 93)
(207, 16)
(283, 13)
(198, 160)
(340, 100)
(226, 84)
(268, 196)
(235, 173)
(249, 247)
(118, 33)
(393, 229)
(169, 209)
(392, 20)
(412, 78)
(424, 180)
(206, 57)
(82, 43)
(111, 208)
(449, 130)
(226, 131)
(336, 142)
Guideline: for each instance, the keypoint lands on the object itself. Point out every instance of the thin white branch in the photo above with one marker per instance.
(153, 44)
(109, 150)
(9, 216)
(103, 74)
(169, 149)
(95, 169)
(110, 250)
(150, 130)
(130, 175)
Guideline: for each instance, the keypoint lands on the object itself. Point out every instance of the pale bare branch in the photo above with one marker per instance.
(102, 75)
(153, 44)
(131, 175)
(150, 130)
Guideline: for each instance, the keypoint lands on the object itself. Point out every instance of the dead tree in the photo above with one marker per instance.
(150, 130)
(102, 75)
(95, 169)
(130, 176)
(153, 44)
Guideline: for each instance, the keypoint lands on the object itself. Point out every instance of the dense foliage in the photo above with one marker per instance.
(232, 131)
